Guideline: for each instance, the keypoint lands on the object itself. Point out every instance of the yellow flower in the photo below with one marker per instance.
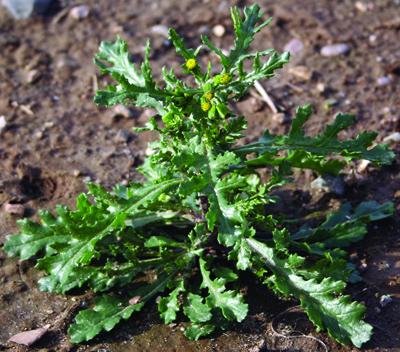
(209, 95)
(191, 64)
(206, 106)
(225, 78)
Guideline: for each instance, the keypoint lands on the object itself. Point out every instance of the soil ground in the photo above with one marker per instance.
(56, 139)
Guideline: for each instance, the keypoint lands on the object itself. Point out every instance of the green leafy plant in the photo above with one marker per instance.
(200, 220)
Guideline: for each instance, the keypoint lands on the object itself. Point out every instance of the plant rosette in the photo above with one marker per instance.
(203, 196)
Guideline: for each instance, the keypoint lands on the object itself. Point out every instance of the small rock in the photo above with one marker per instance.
(294, 46)
(386, 110)
(383, 81)
(48, 124)
(377, 309)
(161, 30)
(79, 12)
(256, 104)
(385, 300)
(205, 30)
(135, 300)
(330, 102)
(28, 338)
(219, 30)
(335, 50)
(149, 113)
(363, 267)
(397, 194)
(32, 76)
(395, 137)
(328, 184)
(117, 29)
(320, 87)
(279, 117)
(122, 110)
(122, 136)
(301, 72)
(360, 6)
(15, 209)
(372, 38)
(76, 173)
(3, 124)
(22, 9)
(363, 165)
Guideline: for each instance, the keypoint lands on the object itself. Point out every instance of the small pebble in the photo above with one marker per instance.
(27, 8)
(48, 124)
(28, 338)
(328, 184)
(32, 76)
(294, 46)
(79, 12)
(135, 300)
(161, 30)
(117, 29)
(122, 110)
(395, 137)
(372, 38)
(149, 113)
(385, 300)
(3, 124)
(383, 81)
(360, 6)
(279, 118)
(377, 309)
(321, 87)
(363, 165)
(15, 209)
(363, 267)
(219, 30)
(122, 136)
(301, 72)
(205, 30)
(335, 50)
(330, 102)
(76, 173)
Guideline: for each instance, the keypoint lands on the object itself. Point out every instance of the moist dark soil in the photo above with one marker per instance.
(56, 139)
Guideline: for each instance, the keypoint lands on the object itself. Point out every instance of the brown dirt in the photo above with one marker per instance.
(55, 132)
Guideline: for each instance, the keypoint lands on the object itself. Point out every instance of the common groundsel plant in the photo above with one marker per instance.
(200, 221)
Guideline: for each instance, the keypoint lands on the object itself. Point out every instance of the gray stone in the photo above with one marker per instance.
(3, 124)
(335, 50)
(395, 137)
(122, 110)
(383, 81)
(122, 136)
(328, 184)
(161, 30)
(22, 9)
(79, 12)
(294, 46)
(385, 300)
